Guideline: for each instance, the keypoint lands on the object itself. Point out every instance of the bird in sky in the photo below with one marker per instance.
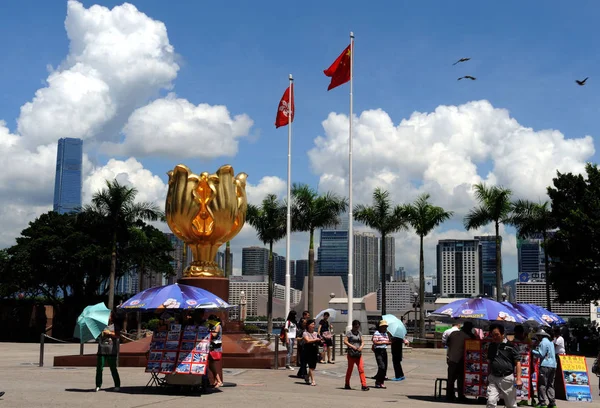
(467, 77)
(581, 83)
(461, 60)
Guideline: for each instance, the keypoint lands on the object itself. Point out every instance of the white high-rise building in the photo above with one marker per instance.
(458, 267)
(397, 296)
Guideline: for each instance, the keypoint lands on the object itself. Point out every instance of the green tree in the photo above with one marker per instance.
(530, 219)
(574, 246)
(116, 203)
(311, 211)
(385, 219)
(495, 207)
(424, 217)
(269, 222)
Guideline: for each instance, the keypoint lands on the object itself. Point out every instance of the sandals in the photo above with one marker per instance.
(314, 384)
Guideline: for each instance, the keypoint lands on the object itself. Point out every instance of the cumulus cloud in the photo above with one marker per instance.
(165, 125)
(118, 59)
(443, 153)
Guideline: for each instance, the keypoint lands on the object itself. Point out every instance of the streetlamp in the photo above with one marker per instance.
(415, 304)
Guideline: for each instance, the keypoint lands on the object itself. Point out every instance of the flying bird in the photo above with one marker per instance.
(581, 83)
(467, 77)
(461, 60)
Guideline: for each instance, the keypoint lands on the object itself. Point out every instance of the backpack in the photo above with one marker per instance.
(283, 335)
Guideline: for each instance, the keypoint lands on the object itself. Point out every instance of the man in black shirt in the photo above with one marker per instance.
(504, 361)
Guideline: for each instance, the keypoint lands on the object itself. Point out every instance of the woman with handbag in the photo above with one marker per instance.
(355, 344)
(326, 333)
(311, 350)
(216, 348)
(108, 351)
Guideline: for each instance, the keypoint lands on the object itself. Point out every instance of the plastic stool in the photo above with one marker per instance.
(437, 389)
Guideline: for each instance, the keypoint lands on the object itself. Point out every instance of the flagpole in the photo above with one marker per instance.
(289, 204)
(350, 216)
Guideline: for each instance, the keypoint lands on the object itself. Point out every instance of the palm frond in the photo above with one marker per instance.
(477, 217)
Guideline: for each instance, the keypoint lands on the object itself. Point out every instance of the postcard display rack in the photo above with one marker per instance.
(477, 367)
(179, 352)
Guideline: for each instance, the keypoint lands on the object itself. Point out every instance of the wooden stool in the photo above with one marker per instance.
(437, 388)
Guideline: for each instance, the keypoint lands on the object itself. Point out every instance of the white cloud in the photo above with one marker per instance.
(165, 125)
(444, 153)
(266, 185)
(118, 59)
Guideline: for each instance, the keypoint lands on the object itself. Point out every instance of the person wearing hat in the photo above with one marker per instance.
(545, 352)
(380, 343)
(456, 361)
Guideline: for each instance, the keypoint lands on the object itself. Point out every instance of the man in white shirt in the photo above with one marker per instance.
(456, 361)
(448, 332)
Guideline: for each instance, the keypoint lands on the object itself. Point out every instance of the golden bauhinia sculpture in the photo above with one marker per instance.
(205, 211)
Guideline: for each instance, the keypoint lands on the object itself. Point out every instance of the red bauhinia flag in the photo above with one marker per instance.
(339, 71)
(283, 111)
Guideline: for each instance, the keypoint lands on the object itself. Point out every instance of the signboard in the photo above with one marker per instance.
(574, 375)
(179, 352)
(477, 368)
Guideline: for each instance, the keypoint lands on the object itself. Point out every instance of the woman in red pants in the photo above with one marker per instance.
(355, 344)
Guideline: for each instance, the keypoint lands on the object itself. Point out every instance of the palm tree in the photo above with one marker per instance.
(269, 220)
(494, 206)
(424, 217)
(116, 203)
(385, 219)
(311, 211)
(535, 218)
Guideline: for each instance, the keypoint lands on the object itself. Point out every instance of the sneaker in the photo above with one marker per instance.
(522, 403)
(289, 368)
(398, 379)
(552, 406)
(365, 388)
(347, 387)
(306, 379)
(117, 389)
(1, 394)
(97, 389)
(383, 387)
(541, 406)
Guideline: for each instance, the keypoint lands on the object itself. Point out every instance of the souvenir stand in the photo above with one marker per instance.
(180, 354)
(477, 369)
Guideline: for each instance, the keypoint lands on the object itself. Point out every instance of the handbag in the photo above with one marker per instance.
(326, 335)
(354, 353)
(215, 355)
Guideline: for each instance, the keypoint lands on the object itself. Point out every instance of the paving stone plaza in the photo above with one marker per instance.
(28, 385)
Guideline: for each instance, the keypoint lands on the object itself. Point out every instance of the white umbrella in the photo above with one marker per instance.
(332, 315)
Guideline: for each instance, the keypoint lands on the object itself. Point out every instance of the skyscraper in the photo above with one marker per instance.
(458, 269)
(530, 252)
(366, 263)
(255, 261)
(301, 273)
(333, 254)
(390, 258)
(67, 184)
(487, 255)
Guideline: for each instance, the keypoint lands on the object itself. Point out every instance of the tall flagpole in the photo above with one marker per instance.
(350, 217)
(289, 203)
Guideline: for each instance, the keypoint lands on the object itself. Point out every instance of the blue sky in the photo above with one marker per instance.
(239, 54)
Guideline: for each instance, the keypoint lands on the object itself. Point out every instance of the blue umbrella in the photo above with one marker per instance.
(547, 316)
(479, 309)
(91, 322)
(533, 318)
(175, 297)
(395, 326)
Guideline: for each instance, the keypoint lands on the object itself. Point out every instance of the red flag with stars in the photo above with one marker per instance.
(339, 71)
(283, 111)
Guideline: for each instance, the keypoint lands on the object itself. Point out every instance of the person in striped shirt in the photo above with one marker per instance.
(380, 344)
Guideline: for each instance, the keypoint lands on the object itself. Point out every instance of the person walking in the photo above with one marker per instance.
(504, 360)
(380, 343)
(108, 350)
(290, 330)
(546, 353)
(397, 344)
(355, 343)
(456, 361)
(300, 355)
(326, 333)
(559, 343)
(311, 350)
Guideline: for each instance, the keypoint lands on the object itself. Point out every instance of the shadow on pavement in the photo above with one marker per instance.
(142, 390)
(430, 398)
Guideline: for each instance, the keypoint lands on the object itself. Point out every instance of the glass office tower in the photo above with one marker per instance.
(67, 185)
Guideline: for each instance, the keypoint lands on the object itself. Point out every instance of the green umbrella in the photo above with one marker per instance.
(91, 322)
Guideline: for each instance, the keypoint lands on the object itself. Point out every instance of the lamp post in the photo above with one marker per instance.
(415, 303)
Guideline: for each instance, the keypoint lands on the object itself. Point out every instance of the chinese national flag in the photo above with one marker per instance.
(339, 71)
(283, 111)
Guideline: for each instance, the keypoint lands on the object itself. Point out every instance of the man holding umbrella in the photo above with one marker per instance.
(397, 332)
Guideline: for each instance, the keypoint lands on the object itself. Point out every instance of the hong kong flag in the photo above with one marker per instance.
(285, 112)
(339, 71)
